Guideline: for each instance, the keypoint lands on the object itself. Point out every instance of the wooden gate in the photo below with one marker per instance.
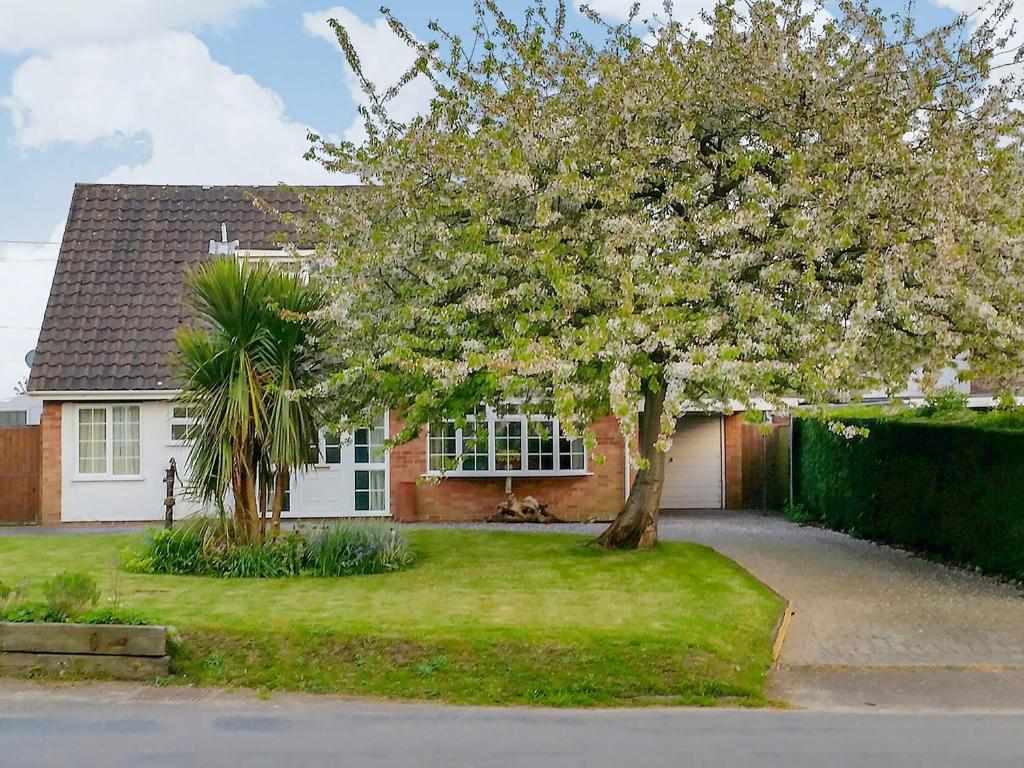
(766, 464)
(19, 475)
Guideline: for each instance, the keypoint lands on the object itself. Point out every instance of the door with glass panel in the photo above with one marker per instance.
(348, 475)
(370, 471)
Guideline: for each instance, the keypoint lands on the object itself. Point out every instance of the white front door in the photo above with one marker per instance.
(348, 478)
(693, 465)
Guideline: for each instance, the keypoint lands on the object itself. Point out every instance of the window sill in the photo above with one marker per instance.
(461, 473)
(107, 478)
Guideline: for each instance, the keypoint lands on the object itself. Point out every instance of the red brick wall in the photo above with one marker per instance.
(595, 496)
(50, 464)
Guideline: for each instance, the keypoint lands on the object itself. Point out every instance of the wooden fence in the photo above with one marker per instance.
(766, 465)
(19, 475)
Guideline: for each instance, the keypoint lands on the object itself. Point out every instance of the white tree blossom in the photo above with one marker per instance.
(772, 206)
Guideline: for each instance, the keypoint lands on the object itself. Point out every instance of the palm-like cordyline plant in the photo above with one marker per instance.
(255, 344)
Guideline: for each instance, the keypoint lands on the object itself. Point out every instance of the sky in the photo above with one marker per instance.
(190, 92)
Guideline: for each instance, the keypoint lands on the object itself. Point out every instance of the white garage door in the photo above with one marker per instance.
(693, 466)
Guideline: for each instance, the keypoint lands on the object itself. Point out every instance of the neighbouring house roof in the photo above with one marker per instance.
(118, 292)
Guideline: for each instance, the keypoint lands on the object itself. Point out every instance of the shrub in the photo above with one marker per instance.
(799, 514)
(354, 548)
(71, 594)
(110, 615)
(944, 402)
(953, 490)
(271, 559)
(9, 594)
(28, 612)
(210, 547)
(31, 612)
(69, 597)
(175, 551)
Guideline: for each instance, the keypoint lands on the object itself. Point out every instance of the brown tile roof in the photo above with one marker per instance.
(117, 294)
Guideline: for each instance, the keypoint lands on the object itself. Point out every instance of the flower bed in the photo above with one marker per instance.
(212, 547)
(69, 633)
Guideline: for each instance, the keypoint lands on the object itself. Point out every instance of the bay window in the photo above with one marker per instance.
(508, 444)
(476, 455)
(441, 446)
(500, 442)
(109, 443)
(571, 453)
(540, 447)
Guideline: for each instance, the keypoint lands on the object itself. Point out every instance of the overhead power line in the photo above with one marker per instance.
(30, 242)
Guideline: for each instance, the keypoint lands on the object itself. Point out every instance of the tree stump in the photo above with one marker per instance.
(527, 510)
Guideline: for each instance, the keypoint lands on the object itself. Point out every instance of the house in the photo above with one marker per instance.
(20, 411)
(110, 424)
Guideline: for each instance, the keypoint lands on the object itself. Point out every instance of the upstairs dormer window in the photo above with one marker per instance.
(292, 261)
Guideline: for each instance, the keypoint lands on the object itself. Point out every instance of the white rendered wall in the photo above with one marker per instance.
(320, 493)
(139, 499)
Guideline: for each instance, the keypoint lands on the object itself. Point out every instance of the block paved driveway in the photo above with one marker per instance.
(858, 603)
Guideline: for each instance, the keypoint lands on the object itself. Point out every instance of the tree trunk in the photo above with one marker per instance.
(636, 526)
(238, 491)
(264, 487)
(281, 480)
(247, 507)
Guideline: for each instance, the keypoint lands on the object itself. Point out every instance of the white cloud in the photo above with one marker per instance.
(686, 11)
(203, 122)
(43, 25)
(618, 10)
(960, 6)
(384, 58)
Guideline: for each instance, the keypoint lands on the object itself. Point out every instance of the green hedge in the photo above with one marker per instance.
(954, 491)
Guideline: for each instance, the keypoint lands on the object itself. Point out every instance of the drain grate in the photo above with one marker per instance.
(174, 695)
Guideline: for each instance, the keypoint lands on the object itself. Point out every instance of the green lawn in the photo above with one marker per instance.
(484, 617)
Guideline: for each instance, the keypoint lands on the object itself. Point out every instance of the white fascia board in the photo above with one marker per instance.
(107, 394)
(271, 253)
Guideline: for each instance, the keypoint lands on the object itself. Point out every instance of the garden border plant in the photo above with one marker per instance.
(70, 598)
(221, 546)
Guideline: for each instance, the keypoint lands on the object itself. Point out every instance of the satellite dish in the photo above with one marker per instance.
(29, 357)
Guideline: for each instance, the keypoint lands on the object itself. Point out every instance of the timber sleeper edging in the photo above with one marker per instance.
(782, 629)
(122, 651)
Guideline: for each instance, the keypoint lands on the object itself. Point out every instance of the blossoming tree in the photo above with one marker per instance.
(776, 204)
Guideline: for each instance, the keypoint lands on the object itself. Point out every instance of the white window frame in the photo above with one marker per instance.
(493, 416)
(22, 422)
(173, 421)
(294, 261)
(109, 440)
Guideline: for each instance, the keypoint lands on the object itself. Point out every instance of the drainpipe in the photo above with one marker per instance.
(764, 467)
(625, 464)
(792, 431)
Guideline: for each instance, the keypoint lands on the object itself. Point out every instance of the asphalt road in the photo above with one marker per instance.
(58, 730)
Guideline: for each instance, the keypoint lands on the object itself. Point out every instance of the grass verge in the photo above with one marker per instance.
(484, 617)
